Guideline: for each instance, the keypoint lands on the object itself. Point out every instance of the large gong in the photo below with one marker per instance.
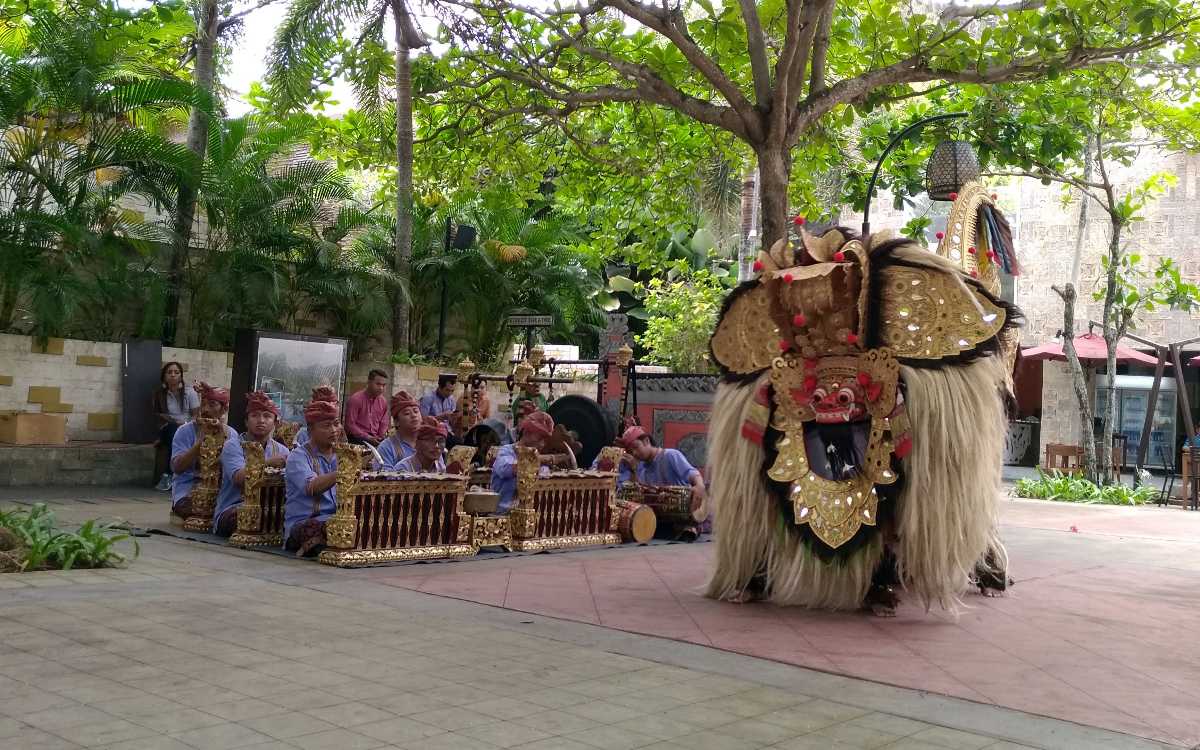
(595, 426)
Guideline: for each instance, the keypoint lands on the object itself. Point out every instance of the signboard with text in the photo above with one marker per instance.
(530, 321)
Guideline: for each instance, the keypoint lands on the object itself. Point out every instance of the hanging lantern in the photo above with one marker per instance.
(952, 165)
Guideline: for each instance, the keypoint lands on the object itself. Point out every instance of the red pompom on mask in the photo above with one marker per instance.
(799, 320)
(758, 266)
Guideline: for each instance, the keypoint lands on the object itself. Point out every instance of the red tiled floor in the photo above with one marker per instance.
(1100, 629)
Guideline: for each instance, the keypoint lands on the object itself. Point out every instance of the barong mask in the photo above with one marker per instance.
(832, 320)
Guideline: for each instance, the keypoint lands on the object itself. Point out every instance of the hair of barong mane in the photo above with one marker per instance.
(885, 254)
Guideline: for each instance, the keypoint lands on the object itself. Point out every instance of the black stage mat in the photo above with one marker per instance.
(484, 554)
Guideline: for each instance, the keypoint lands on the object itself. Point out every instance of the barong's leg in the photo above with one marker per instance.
(948, 514)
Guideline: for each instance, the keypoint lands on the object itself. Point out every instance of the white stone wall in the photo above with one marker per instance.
(81, 380)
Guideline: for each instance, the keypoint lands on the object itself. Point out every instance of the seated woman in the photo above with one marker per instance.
(430, 454)
(261, 417)
(406, 420)
(174, 405)
(536, 428)
(185, 447)
(320, 393)
(310, 481)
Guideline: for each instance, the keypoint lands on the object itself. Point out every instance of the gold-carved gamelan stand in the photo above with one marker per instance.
(208, 477)
(394, 517)
(260, 516)
(562, 509)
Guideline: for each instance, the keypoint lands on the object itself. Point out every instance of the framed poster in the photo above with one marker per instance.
(287, 366)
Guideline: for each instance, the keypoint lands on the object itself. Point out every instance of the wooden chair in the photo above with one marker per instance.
(1067, 459)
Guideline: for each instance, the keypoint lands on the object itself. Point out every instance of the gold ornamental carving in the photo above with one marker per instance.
(565, 542)
(339, 530)
(931, 315)
(208, 475)
(359, 558)
(491, 531)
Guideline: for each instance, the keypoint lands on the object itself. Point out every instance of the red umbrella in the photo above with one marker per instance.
(1091, 350)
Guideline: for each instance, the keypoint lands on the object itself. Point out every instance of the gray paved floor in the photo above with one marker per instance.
(198, 647)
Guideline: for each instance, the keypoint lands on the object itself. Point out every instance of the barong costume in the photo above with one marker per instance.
(857, 435)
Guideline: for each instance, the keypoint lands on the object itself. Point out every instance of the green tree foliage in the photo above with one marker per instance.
(526, 259)
(680, 317)
(775, 75)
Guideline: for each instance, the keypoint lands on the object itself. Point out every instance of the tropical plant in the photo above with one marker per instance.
(527, 259)
(34, 542)
(1075, 489)
(680, 317)
(285, 241)
(75, 163)
(311, 36)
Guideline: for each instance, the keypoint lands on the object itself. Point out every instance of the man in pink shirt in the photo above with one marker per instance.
(367, 411)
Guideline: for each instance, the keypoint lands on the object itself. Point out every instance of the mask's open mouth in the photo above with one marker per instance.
(836, 450)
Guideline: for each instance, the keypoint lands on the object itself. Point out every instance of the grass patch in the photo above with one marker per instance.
(30, 540)
(1069, 488)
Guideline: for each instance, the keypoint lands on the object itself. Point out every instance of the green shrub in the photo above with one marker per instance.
(1074, 489)
(36, 543)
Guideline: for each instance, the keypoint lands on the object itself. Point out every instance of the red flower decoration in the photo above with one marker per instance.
(971, 250)
(787, 278)
(974, 274)
(784, 345)
(758, 266)
(991, 255)
(839, 256)
(799, 320)
(851, 338)
(939, 235)
(954, 196)
(798, 221)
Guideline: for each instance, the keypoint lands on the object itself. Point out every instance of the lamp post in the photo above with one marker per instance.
(459, 238)
(866, 225)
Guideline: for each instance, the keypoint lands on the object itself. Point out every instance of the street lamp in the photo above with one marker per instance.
(457, 238)
(866, 225)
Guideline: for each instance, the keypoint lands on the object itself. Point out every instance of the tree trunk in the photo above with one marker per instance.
(1084, 202)
(774, 176)
(1112, 334)
(1078, 381)
(197, 140)
(404, 178)
(8, 303)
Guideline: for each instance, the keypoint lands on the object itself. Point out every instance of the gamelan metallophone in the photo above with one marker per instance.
(260, 516)
(390, 516)
(563, 508)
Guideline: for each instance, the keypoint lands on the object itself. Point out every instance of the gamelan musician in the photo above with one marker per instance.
(664, 467)
(406, 420)
(536, 429)
(310, 480)
(430, 454)
(185, 447)
(261, 418)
